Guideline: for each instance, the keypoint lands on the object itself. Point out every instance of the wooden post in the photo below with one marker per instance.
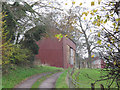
(102, 87)
(92, 86)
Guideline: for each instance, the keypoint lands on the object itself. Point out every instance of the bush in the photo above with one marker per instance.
(13, 55)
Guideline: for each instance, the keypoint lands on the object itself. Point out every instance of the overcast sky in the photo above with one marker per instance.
(66, 4)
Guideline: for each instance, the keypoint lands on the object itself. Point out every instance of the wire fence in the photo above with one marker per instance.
(73, 83)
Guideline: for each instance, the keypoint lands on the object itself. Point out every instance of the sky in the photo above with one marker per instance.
(85, 3)
(66, 4)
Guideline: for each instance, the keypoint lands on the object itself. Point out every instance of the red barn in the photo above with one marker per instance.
(96, 63)
(56, 53)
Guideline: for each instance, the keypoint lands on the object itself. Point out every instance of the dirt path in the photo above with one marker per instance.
(50, 82)
(30, 81)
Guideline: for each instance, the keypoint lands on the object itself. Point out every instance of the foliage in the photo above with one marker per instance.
(12, 54)
(15, 22)
(15, 12)
(11, 25)
(60, 36)
(78, 27)
(31, 36)
(105, 20)
(109, 36)
(18, 20)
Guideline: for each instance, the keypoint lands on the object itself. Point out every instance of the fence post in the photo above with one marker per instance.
(70, 81)
(92, 86)
(102, 87)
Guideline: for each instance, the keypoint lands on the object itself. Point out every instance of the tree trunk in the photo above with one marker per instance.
(89, 58)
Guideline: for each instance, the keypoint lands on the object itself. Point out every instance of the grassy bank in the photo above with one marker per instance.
(61, 81)
(21, 73)
(87, 76)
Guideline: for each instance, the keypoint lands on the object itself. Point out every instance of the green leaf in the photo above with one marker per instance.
(92, 3)
(117, 29)
(101, 21)
(84, 18)
(119, 45)
(73, 2)
(90, 18)
(111, 15)
(92, 56)
(98, 34)
(86, 14)
(59, 36)
(108, 45)
(95, 10)
(90, 30)
(98, 22)
(65, 3)
(99, 42)
(94, 22)
(98, 16)
(91, 13)
(114, 24)
(66, 35)
(80, 4)
(118, 19)
(105, 21)
(98, 2)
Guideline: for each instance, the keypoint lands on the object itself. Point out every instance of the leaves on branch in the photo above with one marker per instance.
(92, 3)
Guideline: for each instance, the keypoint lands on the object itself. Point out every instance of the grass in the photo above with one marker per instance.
(88, 76)
(39, 81)
(61, 81)
(21, 73)
(0, 79)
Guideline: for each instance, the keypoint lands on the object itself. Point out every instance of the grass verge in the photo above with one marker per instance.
(87, 76)
(21, 73)
(61, 81)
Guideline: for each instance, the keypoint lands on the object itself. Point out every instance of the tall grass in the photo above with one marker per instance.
(87, 76)
(61, 81)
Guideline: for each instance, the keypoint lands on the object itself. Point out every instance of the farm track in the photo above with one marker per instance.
(30, 81)
(48, 83)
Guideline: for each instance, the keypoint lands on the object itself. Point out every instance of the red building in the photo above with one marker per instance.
(96, 63)
(56, 53)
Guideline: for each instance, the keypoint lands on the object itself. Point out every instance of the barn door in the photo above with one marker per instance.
(72, 56)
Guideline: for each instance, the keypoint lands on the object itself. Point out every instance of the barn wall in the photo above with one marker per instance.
(50, 52)
(67, 42)
(102, 64)
(54, 52)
